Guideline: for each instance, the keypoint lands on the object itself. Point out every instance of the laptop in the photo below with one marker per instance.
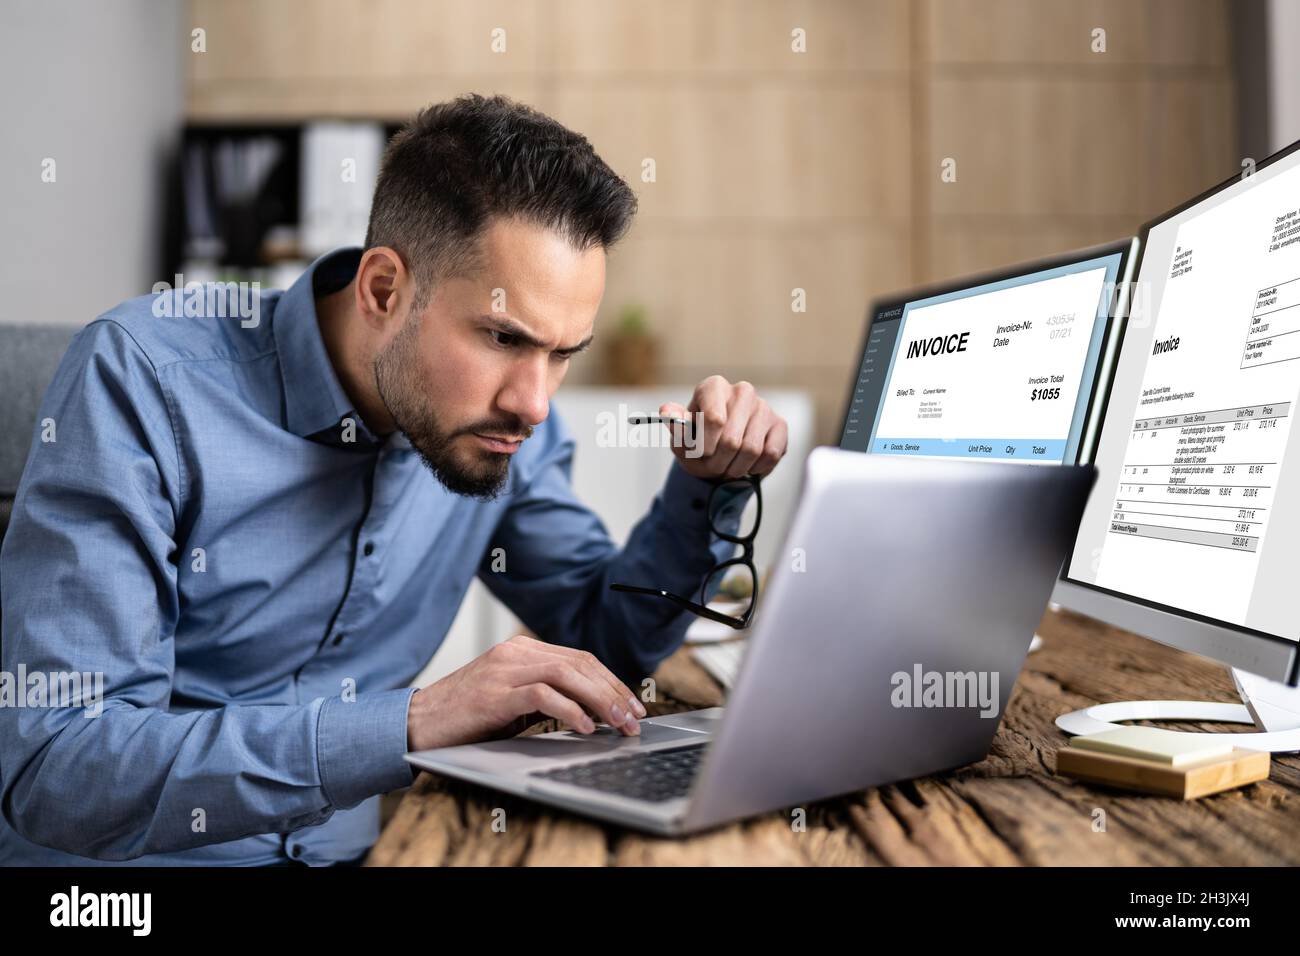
(885, 649)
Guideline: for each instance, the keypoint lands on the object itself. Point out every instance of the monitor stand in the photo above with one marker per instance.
(1272, 707)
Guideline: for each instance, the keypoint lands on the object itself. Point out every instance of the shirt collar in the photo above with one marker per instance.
(314, 399)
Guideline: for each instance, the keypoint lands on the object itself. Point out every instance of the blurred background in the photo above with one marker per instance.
(788, 155)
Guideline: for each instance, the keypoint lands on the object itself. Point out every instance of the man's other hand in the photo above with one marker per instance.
(735, 432)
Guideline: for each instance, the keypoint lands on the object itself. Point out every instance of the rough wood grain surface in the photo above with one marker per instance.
(1009, 809)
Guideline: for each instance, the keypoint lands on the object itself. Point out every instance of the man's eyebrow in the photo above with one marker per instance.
(575, 349)
(511, 327)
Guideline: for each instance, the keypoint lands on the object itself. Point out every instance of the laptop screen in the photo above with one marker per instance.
(1001, 368)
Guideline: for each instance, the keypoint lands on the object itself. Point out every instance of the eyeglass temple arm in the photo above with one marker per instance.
(681, 602)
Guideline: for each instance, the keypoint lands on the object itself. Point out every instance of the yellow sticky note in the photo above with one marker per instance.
(1152, 743)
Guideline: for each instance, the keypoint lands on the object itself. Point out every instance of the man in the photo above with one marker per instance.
(233, 526)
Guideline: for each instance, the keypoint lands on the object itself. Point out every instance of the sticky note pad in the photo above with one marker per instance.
(1153, 744)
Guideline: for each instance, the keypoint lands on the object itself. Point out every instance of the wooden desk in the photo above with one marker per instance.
(1009, 809)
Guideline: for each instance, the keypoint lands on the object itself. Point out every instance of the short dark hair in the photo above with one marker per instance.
(459, 163)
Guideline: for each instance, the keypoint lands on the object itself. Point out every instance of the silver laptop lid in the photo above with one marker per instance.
(894, 570)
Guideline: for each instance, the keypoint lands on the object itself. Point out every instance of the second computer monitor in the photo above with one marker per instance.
(1192, 534)
(999, 367)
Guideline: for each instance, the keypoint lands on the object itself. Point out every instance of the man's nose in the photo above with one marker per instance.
(526, 395)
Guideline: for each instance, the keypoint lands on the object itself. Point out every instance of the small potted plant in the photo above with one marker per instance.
(633, 352)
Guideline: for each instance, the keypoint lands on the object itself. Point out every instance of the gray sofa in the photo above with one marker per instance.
(29, 354)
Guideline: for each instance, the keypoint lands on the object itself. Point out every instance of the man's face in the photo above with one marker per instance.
(469, 378)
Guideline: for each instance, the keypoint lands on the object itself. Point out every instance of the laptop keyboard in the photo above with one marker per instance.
(654, 776)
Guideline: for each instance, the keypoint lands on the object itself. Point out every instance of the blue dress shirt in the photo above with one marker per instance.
(258, 591)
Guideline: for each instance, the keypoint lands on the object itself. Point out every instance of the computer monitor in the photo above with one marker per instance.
(1000, 367)
(1192, 533)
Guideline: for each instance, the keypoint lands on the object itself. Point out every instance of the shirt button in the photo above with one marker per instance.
(338, 639)
(369, 549)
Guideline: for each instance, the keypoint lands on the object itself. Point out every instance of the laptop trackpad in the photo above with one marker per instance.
(706, 720)
(651, 733)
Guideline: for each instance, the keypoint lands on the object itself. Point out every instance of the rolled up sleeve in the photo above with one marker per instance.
(360, 746)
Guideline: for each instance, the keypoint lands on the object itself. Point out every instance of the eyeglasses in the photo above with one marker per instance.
(722, 494)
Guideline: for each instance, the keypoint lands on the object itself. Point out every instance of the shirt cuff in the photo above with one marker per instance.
(360, 745)
(687, 499)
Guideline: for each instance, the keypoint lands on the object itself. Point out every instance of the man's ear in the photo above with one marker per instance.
(382, 284)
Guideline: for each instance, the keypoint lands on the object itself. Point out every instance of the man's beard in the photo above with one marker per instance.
(484, 474)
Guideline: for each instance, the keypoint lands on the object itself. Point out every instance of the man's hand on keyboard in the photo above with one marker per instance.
(517, 682)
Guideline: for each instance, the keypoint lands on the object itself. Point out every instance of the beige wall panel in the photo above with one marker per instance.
(726, 297)
(1190, 140)
(1189, 32)
(727, 36)
(1051, 147)
(1056, 32)
(394, 101)
(1052, 32)
(769, 150)
(246, 40)
(274, 40)
(967, 247)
